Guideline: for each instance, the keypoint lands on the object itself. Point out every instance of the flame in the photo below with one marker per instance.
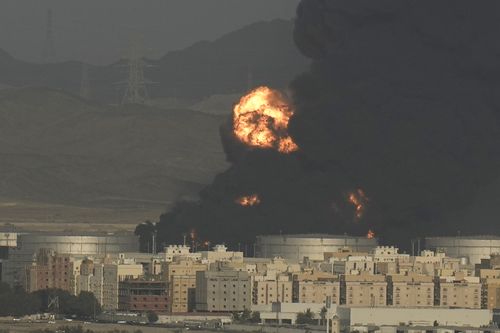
(261, 119)
(358, 199)
(248, 200)
(370, 234)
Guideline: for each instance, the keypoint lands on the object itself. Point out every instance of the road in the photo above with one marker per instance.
(25, 327)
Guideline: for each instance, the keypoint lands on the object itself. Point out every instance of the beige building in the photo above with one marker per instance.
(269, 291)
(220, 253)
(102, 279)
(365, 290)
(389, 254)
(462, 292)
(318, 292)
(179, 251)
(223, 291)
(351, 265)
(181, 277)
(412, 290)
(491, 293)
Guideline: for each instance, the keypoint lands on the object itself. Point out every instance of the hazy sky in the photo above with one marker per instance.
(98, 31)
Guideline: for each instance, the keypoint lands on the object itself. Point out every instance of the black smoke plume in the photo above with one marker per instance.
(402, 100)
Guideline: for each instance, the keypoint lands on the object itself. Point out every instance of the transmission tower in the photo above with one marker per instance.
(53, 304)
(85, 85)
(49, 50)
(135, 92)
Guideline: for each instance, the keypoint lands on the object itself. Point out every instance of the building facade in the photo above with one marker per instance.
(223, 291)
(142, 295)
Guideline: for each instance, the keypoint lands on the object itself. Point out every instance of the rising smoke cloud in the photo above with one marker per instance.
(401, 101)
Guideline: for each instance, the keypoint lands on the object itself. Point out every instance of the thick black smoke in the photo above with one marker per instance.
(402, 100)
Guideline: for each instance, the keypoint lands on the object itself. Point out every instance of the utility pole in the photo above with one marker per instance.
(49, 50)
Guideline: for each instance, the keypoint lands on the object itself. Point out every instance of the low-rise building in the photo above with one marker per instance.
(220, 253)
(376, 316)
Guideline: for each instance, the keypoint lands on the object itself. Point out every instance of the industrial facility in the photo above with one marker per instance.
(312, 246)
(470, 248)
(27, 244)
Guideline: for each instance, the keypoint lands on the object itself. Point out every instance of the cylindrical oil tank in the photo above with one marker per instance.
(82, 244)
(474, 248)
(313, 246)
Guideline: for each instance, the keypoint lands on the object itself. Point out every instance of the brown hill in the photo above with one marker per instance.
(56, 149)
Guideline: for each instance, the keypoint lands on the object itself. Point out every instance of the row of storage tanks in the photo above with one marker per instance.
(296, 247)
(22, 246)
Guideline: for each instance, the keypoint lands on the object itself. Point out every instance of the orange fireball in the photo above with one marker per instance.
(358, 199)
(370, 234)
(261, 119)
(248, 200)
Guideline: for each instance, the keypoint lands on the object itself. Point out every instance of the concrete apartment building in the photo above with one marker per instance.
(412, 290)
(365, 290)
(102, 280)
(142, 295)
(223, 291)
(458, 291)
(389, 254)
(50, 270)
(220, 253)
(179, 251)
(181, 278)
(491, 294)
(318, 291)
(265, 291)
(351, 265)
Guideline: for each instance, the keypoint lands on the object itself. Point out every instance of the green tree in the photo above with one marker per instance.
(322, 314)
(255, 318)
(86, 305)
(245, 315)
(152, 317)
(306, 317)
(16, 302)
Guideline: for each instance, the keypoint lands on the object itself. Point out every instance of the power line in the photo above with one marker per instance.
(135, 92)
(49, 50)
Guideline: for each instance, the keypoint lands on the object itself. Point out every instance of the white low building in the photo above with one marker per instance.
(286, 313)
(388, 316)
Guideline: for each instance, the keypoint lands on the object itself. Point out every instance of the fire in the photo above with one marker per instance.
(261, 119)
(358, 199)
(248, 200)
(370, 234)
